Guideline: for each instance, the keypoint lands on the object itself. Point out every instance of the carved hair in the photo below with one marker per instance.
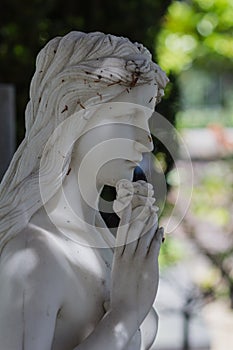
(72, 73)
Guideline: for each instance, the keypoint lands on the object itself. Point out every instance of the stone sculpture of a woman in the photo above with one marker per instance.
(66, 282)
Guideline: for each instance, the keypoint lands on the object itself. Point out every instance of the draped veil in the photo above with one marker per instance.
(73, 73)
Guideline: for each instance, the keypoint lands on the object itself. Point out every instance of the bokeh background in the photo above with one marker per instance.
(192, 40)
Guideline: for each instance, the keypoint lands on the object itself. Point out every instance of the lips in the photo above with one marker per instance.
(134, 161)
(137, 160)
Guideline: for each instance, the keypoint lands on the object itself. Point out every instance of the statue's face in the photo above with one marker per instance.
(115, 141)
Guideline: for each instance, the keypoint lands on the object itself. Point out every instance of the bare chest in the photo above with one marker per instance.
(86, 289)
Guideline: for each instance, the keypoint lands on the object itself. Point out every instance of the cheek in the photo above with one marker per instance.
(108, 142)
(115, 170)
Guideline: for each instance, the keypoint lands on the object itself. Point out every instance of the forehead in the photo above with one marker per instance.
(118, 112)
(143, 95)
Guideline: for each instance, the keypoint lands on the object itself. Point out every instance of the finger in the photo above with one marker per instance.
(122, 230)
(156, 242)
(147, 234)
(135, 231)
(144, 184)
(143, 189)
(139, 228)
(141, 212)
(131, 227)
(119, 205)
(124, 189)
(133, 236)
(152, 224)
(138, 193)
(142, 200)
(129, 188)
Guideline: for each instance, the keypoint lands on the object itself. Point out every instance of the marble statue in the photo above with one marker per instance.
(66, 282)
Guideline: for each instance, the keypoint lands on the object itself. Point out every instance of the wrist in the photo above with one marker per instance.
(123, 321)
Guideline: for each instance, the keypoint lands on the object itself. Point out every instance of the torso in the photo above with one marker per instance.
(87, 286)
(84, 279)
(85, 274)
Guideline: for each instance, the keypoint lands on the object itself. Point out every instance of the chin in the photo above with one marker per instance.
(116, 173)
(113, 180)
(125, 176)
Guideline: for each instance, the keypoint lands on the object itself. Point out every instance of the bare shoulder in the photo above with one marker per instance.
(31, 290)
(32, 254)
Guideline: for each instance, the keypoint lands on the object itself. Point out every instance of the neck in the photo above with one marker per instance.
(74, 208)
(75, 205)
(69, 213)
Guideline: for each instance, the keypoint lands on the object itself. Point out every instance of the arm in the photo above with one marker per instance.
(142, 235)
(31, 294)
(30, 297)
(134, 274)
(28, 313)
(149, 329)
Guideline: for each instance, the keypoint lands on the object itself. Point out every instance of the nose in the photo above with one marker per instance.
(144, 143)
(150, 142)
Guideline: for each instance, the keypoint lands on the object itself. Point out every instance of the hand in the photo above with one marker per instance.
(138, 193)
(135, 265)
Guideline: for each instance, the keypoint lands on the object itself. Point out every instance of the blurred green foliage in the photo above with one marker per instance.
(197, 32)
(212, 205)
(171, 252)
(212, 198)
(196, 45)
(206, 98)
(201, 118)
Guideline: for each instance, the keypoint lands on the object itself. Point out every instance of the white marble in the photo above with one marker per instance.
(66, 282)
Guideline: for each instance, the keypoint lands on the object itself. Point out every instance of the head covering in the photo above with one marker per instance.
(73, 73)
